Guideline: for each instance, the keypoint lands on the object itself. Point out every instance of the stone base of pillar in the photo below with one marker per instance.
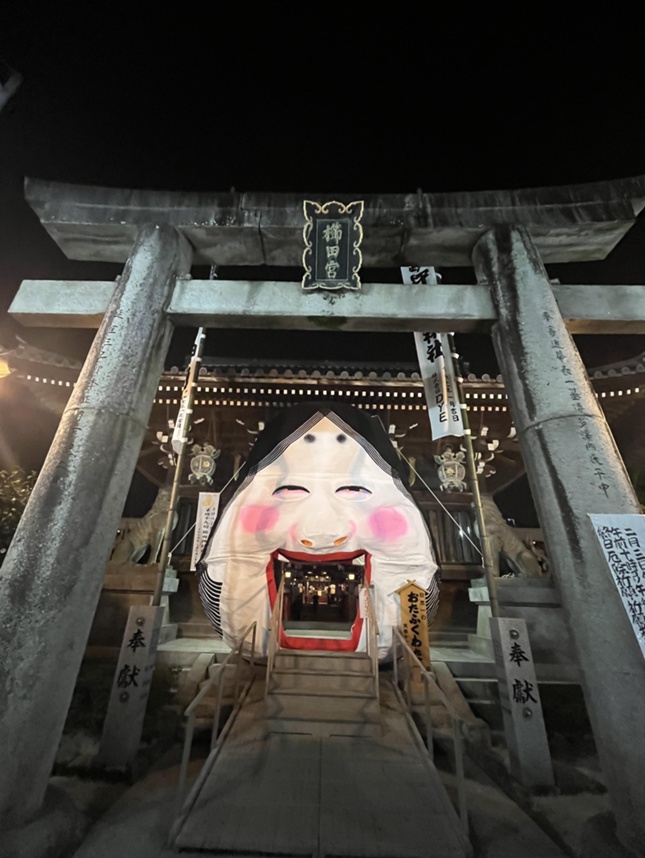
(537, 601)
(481, 641)
(126, 585)
(56, 831)
(480, 644)
(599, 839)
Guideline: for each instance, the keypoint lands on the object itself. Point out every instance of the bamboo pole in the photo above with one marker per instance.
(193, 374)
(489, 568)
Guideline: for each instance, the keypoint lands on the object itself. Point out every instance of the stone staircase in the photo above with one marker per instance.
(477, 682)
(323, 693)
(189, 661)
(318, 766)
(453, 637)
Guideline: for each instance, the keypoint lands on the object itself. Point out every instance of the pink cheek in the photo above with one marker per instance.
(388, 524)
(256, 519)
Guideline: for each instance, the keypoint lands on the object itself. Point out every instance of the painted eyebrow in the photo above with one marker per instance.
(290, 488)
(353, 489)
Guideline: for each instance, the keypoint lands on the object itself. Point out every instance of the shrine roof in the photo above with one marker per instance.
(24, 358)
(570, 223)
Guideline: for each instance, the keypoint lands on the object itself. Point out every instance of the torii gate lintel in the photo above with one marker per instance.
(386, 307)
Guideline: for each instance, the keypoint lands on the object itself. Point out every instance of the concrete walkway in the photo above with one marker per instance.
(137, 826)
(306, 794)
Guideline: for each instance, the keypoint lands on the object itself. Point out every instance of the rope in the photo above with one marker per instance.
(448, 513)
(192, 527)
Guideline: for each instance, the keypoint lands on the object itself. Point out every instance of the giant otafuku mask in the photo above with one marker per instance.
(321, 485)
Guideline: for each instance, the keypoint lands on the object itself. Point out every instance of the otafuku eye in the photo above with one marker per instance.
(287, 493)
(353, 492)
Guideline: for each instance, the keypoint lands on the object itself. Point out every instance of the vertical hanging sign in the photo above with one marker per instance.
(179, 430)
(437, 368)
(207, 506)
(182, 424)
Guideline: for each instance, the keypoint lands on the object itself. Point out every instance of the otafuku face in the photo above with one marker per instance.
(323, 499)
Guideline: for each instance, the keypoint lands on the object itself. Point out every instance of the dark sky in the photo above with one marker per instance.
(324, 100)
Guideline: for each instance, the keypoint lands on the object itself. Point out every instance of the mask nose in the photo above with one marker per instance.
(312, 543)
(322, 528)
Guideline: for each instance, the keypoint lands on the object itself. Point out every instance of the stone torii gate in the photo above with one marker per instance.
(53, 572)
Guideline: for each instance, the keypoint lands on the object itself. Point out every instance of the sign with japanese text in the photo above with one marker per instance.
(437, 368)
(131, 687)
(526, 737)
(622, 542)
(414, 621)
(182, 423)
(332, 236)
(207, 507)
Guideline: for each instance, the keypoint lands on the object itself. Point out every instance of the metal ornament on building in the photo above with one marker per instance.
(484, 458)
(203, 463)
(451, 470)
(332, 236)
(168, 460)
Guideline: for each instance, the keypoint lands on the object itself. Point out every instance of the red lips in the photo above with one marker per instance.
(331, 644)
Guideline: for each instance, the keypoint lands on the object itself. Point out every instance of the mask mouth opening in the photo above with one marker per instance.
(303, 624)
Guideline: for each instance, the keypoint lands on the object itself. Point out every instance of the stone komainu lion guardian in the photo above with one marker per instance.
(504, 540)
(139, 534)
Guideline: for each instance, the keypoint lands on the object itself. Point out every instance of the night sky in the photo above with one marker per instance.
(322, 100)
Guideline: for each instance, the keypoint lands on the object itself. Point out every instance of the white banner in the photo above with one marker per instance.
(179, 432)
(207, 506)
(437, 369)
(622, 542)
(182, 424)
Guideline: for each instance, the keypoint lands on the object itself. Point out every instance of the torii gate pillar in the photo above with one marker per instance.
(51, 578)
(574, 468)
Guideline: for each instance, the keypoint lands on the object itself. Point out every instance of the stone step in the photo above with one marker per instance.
(176, 658)
(182, 652)
(479, 687)
(365, 729)
(228, 683)
(362, 694)
(335, 709)
(206, 707)
(196, 630)
(488, 711)
(448, 638)
(471, 669)
(309, 681)
(323, 662)
(452, 644)
(167, 633)
(190, 679)
(481, 692)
